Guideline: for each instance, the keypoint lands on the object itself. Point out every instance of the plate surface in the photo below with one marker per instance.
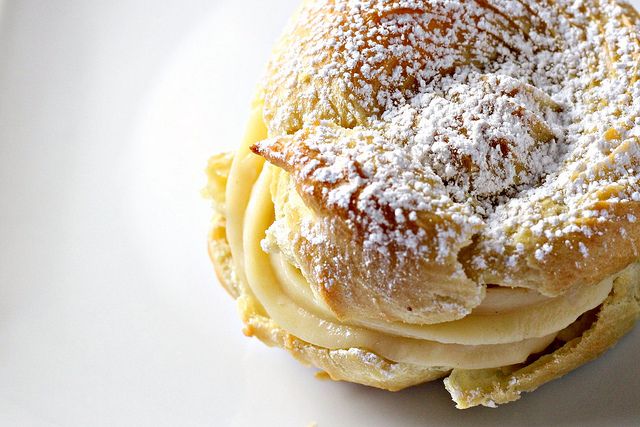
(109, 310)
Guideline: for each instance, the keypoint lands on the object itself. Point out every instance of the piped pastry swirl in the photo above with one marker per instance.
(445, 184)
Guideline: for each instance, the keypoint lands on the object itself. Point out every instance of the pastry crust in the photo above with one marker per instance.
(423, 291)
(580, 343)
(421, 153)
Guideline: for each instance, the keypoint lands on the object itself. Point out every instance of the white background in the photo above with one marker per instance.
(109, 310)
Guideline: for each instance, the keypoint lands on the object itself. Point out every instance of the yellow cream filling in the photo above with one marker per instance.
(520, 313)
(510, 325)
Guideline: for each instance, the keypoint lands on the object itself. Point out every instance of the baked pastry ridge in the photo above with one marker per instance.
(445, 184)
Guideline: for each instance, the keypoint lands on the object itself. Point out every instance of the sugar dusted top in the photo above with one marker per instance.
(513, 123)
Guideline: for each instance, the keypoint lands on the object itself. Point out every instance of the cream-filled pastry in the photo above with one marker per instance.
(434, 189)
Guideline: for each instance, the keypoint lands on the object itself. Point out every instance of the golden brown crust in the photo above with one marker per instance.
(354, 279)
(320, 96)
(311, 79)
(611, 247)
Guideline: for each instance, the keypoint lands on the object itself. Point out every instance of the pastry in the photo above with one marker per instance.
(433, 189)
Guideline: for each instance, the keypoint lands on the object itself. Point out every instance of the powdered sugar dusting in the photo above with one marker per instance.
(503, 118)
(373, 179)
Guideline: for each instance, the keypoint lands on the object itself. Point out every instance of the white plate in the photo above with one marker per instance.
(109, 310)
